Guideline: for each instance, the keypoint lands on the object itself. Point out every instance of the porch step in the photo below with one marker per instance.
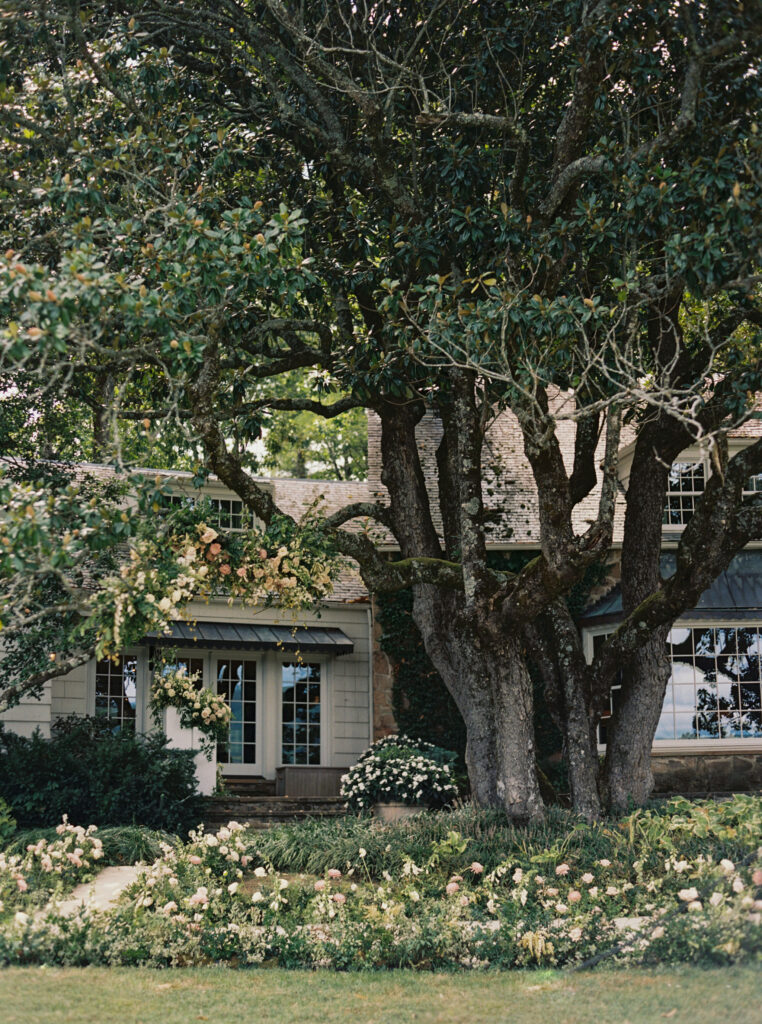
(265, 811)
(249, 785)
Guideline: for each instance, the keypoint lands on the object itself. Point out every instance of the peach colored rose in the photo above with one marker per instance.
(574, 896)
(225, 569)
(333, 873)
(451, 887)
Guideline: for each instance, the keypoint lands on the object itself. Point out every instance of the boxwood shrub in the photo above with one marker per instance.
(97, 777)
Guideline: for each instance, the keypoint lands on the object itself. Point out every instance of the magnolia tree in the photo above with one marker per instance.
(451, 208)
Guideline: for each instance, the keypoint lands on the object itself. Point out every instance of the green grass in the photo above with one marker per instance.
(141, 996)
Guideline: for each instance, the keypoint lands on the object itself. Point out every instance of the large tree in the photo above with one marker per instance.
(453, 208)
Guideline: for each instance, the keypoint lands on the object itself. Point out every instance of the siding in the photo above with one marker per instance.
(29, 715)
(347, 677)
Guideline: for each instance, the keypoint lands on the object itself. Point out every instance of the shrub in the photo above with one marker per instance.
(121, 844)
(96, 776)
(7, 824)
(219, 897)
(396, 769)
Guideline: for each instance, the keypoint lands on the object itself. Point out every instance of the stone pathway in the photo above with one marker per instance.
(102, 891)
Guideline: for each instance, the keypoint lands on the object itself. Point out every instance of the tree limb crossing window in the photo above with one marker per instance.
(227, 513)
(714, 690)
(686, 484)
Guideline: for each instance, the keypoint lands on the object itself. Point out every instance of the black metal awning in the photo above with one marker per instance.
(245, 637)
(735, 595)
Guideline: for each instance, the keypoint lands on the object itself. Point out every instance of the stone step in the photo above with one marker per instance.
(255, 785)
(263, 811)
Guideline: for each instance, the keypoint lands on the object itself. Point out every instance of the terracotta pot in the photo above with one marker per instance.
(396, 811)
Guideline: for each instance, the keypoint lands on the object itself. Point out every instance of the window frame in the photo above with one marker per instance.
(326, 731)
(177, 498)
(697, 745)
(140, 655)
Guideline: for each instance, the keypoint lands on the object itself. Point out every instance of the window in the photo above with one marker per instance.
(753, 485)
(714, 687)
(300, 696)
(116, 692)
(237, 683)
(227, 513)
(685, 486)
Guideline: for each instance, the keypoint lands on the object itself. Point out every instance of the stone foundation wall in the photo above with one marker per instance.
(707, 773)
(383, 683)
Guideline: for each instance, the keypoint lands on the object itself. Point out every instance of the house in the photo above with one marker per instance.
(308, 696)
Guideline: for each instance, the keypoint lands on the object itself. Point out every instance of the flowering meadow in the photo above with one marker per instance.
(679, 882)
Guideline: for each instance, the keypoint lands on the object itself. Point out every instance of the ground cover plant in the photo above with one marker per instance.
(678, 882)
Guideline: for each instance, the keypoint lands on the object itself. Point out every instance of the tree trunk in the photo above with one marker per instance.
(517, 787)
(627, 776)
(556, 650)
(580, 749)
(485, 671)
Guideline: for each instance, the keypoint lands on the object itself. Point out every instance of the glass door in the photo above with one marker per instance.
(238, 683)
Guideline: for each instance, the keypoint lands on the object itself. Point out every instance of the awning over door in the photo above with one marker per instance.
(245, 637)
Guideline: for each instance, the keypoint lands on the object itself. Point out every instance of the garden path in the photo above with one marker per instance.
(102, 891)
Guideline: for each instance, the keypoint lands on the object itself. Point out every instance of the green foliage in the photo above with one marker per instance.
(678, 883)
(423, 707)
(7, 824)
(98, 777)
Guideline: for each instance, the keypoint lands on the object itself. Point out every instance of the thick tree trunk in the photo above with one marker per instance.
(517, 787)
(556, 650)
(486, 673)
(627, 776)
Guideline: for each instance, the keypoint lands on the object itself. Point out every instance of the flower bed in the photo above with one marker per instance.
(47, 869)
(681, 883)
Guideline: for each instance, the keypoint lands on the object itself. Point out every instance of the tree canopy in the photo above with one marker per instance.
(447, 208)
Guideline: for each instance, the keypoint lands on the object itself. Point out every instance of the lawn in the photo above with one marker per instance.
(141, 996)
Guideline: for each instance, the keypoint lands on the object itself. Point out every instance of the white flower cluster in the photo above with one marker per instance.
(199, 708)
(411, 778)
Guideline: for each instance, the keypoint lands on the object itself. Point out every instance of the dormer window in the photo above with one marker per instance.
(227, 513)
(685, 486)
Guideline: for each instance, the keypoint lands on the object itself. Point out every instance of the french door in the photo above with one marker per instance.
(237, 680)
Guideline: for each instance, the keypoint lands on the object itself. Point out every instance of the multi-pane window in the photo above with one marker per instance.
(237, 683)
(715, 684)
(116, 692)
(226, 513)
(300, 696)
(685, 486)
(714, 687)
(753, 485)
